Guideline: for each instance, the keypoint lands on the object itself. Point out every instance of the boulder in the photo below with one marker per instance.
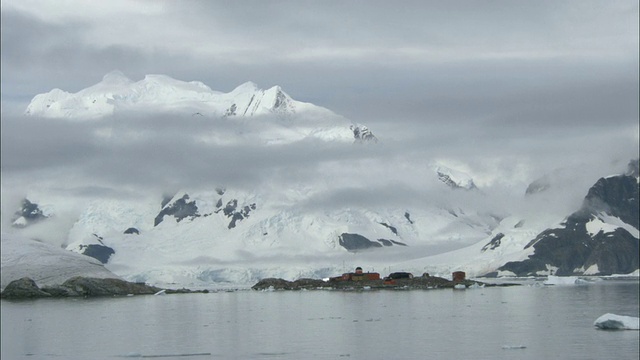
(24, 288)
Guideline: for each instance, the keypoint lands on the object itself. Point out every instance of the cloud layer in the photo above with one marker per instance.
(506, 91)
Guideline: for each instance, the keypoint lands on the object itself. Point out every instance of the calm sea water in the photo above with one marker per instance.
(525, 322)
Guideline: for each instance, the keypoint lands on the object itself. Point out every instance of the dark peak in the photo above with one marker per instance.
(616, 196)
(28, 213)
(362, 134)
(30, 210)
(180, 209)
(446, 178)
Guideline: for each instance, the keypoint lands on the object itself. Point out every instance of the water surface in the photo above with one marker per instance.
(524, 322)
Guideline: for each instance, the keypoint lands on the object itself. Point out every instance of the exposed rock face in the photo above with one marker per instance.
(392, 228)
(183, 208)
(29, 213)
(447, 177)
(81, 286)
(98, 251)
(581, 245)
(132, 230)
(24, 288)
(77, 286)
(180, 209)
(355, 242)
(362, 134)
(494, 243)
(616, 196)
(231, 211)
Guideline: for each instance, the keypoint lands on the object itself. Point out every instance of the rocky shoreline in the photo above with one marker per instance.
(414, 283)
(26, 288)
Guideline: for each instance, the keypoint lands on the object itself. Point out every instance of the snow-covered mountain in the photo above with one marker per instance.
(222, 233)
(283, 119)
(116, 93)
(47, 265)
(454, 178)
(600, 238)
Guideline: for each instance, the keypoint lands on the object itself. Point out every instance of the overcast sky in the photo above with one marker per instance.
(507, 90)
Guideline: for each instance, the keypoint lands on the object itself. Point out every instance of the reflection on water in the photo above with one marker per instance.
(525, 322)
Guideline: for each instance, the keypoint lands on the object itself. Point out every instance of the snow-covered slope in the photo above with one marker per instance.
(44, 263)
(282, 119)
(600, 238)
(116, 93)
(454, 178)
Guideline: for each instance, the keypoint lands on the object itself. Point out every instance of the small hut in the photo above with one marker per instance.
(458, 276)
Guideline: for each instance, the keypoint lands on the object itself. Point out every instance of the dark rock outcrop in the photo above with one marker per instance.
(408, 283)
(82, 286)
(98, 251)
(392, 228)
(132, 230)
(446, 178)
(24, 288)
(408, 217)
(355, 242)
(494, 243)
(231, 211)
(572, 249)
(362, 134)
(29, 213)
(179, 209)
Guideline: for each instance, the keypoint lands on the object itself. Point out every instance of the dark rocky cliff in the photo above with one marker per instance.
(572, 249)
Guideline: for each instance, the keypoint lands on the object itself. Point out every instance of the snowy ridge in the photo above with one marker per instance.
(454, 178)
(282, 119)
(116, 92)
(44, 263)
(509, 239)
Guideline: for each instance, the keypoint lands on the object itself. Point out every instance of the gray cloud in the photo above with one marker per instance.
(511, 90)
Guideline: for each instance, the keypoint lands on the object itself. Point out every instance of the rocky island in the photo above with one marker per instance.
(359, 280)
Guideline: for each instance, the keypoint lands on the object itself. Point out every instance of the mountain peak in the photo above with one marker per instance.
(161, 92)
(455, 179)
(157, 93)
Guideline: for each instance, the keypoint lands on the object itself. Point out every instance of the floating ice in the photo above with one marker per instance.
(617, 322)
(565, 280)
